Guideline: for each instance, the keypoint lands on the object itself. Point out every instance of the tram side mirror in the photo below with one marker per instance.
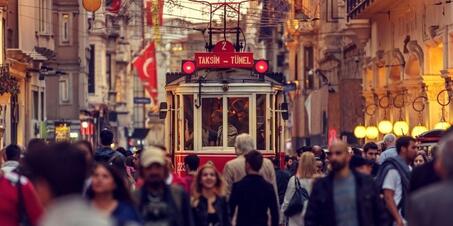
(163, 108)
(284, 111)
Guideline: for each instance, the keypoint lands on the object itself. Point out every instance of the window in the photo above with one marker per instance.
(188, 122)
(261, 132)
(64, 90)
(108, 70)
(35, 105)
(212, 121)
(91, 73)
(238, 118)
(43, 16)
(309, 65)
(65, 28)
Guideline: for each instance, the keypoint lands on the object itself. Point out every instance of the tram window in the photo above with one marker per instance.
(238, 118)
(212, 120)
(261, 122)
(188, 122)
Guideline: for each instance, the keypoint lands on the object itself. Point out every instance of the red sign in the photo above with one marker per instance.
(223, 46)
(224, 60)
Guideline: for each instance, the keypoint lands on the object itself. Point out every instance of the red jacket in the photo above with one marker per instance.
(9, 215)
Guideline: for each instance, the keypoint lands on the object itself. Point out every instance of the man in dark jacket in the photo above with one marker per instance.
(344, 197)
(105, 153)
(253, 196)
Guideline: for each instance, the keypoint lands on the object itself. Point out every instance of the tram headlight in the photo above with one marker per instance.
(261, 66)
(188, 67)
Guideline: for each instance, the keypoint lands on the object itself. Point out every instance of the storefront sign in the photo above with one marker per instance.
(224, 60)
(62, 131)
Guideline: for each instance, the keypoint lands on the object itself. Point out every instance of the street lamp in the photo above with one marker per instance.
(443, 124)
(420, 128)
(372, 132)
(85, 124)
(385, 126)
(360, 132)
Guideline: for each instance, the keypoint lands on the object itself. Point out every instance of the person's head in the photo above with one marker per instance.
(445, 165)
(317, 151)
(12, 153)
(357, 151)
(406, 148)
(253, 162)
(106, 137)
(307, 165)
(338, 156)
(389, 140)
(371, 151)
(320, 166)
(208, 178)
(153, 167)
(276, 162)
(243, 144)
(86, 148)
(361, 165)
(420, 159)
(58, 171)
(191, 163)
(107, 180)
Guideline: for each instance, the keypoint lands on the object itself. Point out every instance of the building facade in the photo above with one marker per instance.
(407, 74)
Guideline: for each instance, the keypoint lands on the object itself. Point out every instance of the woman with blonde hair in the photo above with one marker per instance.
(305, 175)
(209, 204)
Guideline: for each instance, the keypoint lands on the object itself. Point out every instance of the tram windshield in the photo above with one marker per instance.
(212, 120)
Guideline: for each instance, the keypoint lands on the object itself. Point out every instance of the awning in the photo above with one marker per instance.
(139, 133)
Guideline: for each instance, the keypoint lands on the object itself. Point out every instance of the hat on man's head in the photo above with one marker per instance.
(152, 155)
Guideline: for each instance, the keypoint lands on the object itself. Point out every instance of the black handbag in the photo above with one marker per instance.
(24, 220)
(296, 204)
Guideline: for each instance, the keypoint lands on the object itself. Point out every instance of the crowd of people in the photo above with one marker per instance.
(393, 183)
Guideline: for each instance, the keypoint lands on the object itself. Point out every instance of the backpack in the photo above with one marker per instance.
(296, 204)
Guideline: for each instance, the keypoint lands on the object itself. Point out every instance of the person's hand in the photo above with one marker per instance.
(400, 222)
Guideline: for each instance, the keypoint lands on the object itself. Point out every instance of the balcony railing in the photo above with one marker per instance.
(355, 7)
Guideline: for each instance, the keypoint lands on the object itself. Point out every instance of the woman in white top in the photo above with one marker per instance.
(306, 173)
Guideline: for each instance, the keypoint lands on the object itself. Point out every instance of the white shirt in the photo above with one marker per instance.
(392, 181)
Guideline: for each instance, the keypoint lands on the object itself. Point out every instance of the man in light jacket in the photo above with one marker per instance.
(234, 169)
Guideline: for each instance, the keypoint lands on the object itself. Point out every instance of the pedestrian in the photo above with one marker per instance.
(36, 144)
(234, 170)
(252, 197)
(19, 201)
(191, 164)
(361, 165)
(110, 195)
(320, 167)
(87, 149)
(425, 174)
(11, 155)
(393, 179)
(291, 164)
(282, 178)
(105, 153)
(390, 150)
(344, 197)
(60, 173)
(159, 203)
(432, 205)
(120, 164)
(209, 204)
(317, 151)
(306, 173)
(420, 159)
(371, 153)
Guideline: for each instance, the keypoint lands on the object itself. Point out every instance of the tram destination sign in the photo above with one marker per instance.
(224, 60)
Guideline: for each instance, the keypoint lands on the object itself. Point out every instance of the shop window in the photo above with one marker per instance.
(238, 118)
(261, 132)
(188, 122)
(212, 121)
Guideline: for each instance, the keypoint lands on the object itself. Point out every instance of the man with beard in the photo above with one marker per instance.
(158, 203)
(344, 197)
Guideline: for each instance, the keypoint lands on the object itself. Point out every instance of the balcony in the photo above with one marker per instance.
(364, 9)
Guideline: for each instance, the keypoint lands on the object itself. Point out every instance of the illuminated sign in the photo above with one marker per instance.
(62, 131)
(224, 60)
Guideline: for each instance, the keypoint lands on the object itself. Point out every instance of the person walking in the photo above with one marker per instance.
(432, 205)
(344, 197)
(426, 174)
(371, 153)
(234, 170)
(209, 204)
(282, 178)
(105, 153)
(108, 193)
(11, 155)
(191, 164)
(306, 173)
(393, 179)
(252, 197)
(390, 151)
(420, 160)
(159, 203)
